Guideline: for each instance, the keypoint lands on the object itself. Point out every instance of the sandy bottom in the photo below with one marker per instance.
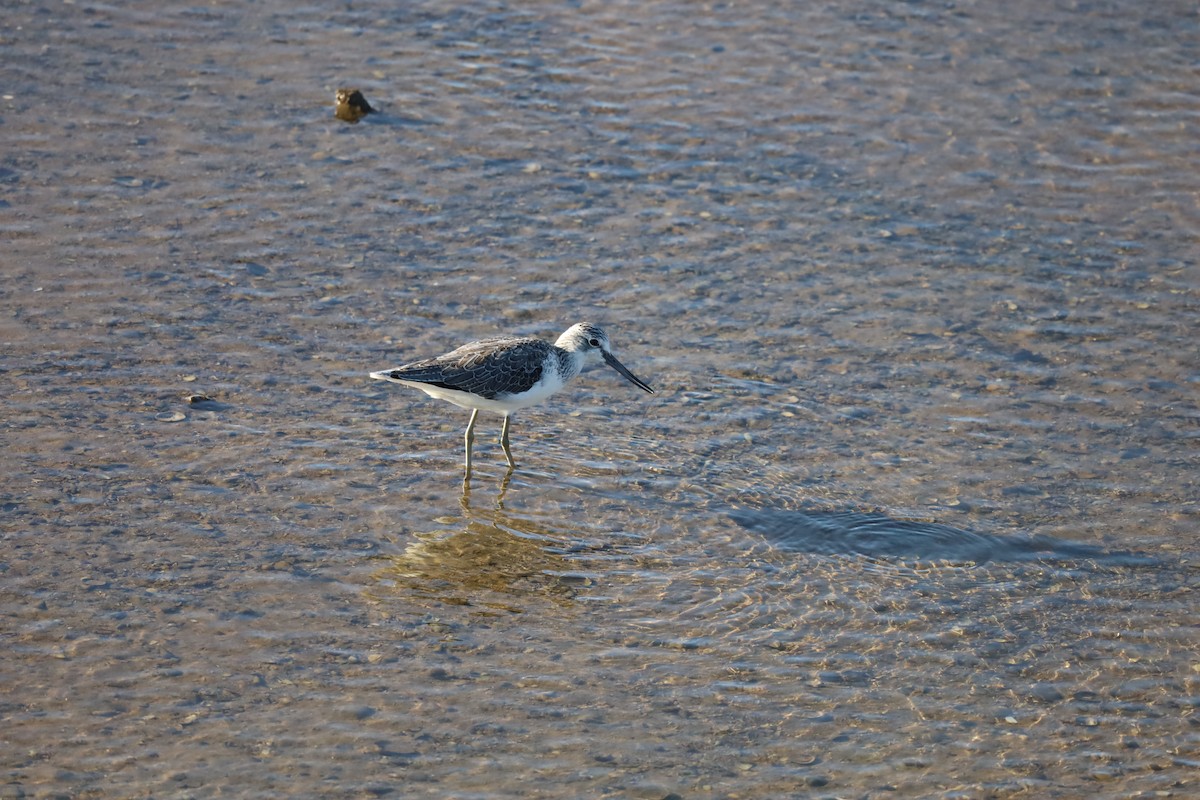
(912, 513)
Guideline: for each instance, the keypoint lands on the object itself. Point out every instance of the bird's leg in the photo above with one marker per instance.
(504, 443)
(469, 438)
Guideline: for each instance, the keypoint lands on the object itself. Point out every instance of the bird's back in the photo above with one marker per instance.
(498, 365)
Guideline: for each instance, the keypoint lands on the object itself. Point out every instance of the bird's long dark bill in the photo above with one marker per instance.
(611, 360)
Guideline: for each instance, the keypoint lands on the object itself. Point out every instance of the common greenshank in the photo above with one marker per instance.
(507, 373)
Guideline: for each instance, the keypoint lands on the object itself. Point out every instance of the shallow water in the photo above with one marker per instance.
(925, 274)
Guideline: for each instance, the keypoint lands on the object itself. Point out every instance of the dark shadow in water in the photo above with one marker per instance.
(877, 536)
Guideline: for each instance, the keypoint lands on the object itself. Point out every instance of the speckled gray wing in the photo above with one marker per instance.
(487, 368)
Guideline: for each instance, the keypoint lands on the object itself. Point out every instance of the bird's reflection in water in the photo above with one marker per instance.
(493, 561)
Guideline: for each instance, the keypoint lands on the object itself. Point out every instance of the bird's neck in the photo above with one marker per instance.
(572, 362)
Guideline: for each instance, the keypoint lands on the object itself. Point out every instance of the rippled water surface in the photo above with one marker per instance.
(913, 512)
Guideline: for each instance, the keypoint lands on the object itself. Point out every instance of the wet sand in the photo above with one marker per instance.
(932, 264)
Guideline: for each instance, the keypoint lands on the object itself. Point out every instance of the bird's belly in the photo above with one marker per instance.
(503, 403)
(548, 385)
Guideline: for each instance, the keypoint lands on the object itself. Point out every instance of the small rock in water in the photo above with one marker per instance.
(351, 105)
(1045, 693)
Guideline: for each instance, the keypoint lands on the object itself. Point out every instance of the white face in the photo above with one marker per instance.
(586, 339)
(596, 345)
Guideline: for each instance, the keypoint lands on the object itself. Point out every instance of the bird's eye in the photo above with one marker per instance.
(594, 342)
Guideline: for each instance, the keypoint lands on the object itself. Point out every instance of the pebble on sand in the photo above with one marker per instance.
(351, 106)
